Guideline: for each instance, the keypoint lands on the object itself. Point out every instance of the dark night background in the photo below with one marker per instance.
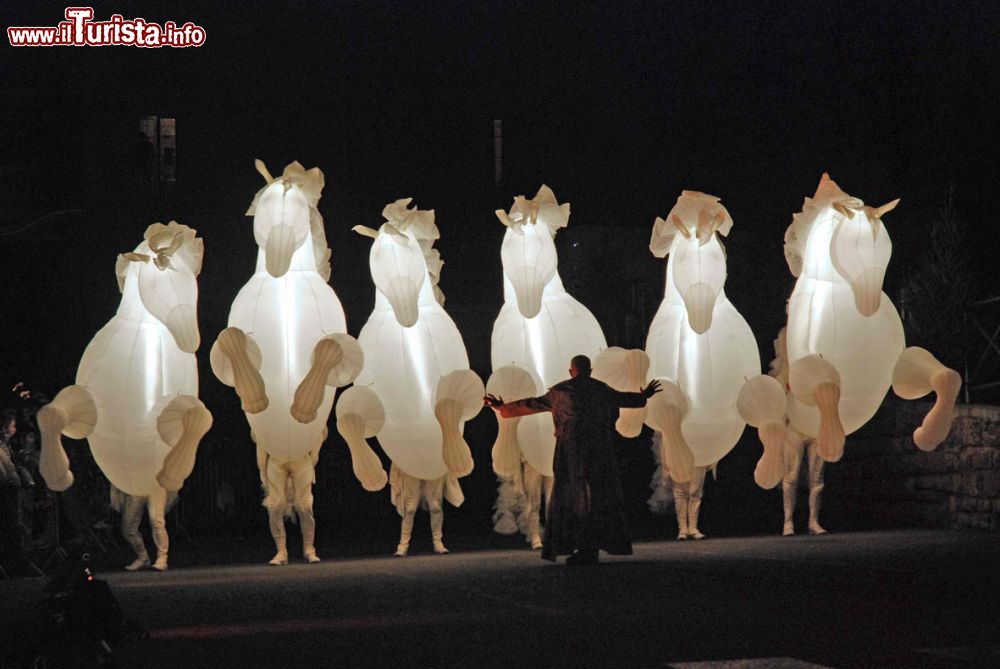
(616, 106)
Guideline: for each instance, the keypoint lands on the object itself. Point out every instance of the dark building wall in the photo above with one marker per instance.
(885, 481)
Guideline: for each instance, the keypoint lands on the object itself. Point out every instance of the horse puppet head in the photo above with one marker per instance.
(837, 231)
(529, 251)
(163, 269)
(402, 259)
(285, 214)
(691, 233)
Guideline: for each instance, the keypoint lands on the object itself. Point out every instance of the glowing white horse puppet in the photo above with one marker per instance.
(135, 397)
(417, 370)
(286, 349)
(539, 329)
(701, 347)
(844, 339)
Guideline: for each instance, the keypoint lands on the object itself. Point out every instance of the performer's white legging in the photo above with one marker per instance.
(687, 501)
(301, 474)
(794, 450)
(156, 505)
(412, 491)
(535, 485)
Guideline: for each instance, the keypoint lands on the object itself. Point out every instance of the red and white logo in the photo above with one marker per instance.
(79, 29)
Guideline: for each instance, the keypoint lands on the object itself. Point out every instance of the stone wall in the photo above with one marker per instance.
(884, 480)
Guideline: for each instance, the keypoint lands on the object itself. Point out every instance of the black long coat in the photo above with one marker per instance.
(587, 509)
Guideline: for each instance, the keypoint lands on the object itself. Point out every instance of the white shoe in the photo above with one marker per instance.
(788, 531)
(536, 544)
(816, 529)
(401, 550)
(695, 534)
(161, 563)
(681, 536)
(280, 558)
(138, 563)
(439, 548)
(312, 558)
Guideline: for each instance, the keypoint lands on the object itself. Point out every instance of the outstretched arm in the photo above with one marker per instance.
(635, 400)
(524, 407)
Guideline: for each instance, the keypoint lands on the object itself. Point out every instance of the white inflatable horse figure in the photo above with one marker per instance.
(539, 329)
(700, 347)
(136, 393)
(842, 348)
(286, 349)
(416, 390)
(843, 345)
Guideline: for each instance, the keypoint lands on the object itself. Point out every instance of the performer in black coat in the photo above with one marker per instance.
(586, 512)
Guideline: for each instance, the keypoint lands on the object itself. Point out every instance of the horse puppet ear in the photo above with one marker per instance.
(843, 211)
(262, 168)
(366, 231)
(704, 229)
(886, 208)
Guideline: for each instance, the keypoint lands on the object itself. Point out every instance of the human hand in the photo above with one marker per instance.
(651, 389)
(492, 401)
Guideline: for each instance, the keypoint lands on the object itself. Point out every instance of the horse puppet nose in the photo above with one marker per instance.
(529, 286)
(183, 325)
(403, 295)
(699, 300)
(279, 249)
(867, 289)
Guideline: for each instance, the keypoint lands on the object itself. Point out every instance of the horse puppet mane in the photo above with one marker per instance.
(170, 238)
(827, 194)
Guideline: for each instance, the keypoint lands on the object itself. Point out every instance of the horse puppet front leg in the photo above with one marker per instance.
(236, 360)
(918, 372)
(665, 412)
(458, 398)
(181, 424)
(360, 414)
(72, 413)
(761, 404)
(814, 381)
(337, 360)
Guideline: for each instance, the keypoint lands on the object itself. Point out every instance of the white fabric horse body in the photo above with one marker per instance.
(823, 320)
(416, 390)
(416, 362)
(286, 349)
(844, 342)
(280, 318)
(540, 326)
(129, 367)
(286, 316)
(405, 373)
(286, 328)
(697, 341)
(135, 397)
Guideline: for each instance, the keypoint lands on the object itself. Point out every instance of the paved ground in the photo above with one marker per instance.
(899, 598)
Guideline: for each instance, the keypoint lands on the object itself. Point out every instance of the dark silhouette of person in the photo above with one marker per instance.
(587, 511)
(11, 547)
